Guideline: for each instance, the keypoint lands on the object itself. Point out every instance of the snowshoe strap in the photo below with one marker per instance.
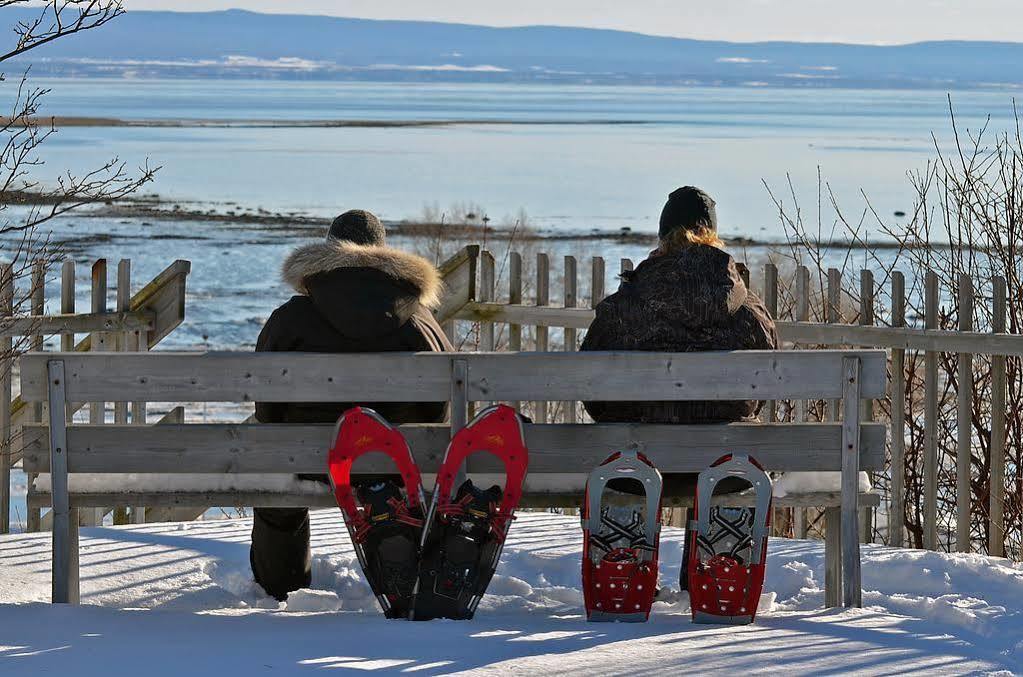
(628, 464)
(736, 465)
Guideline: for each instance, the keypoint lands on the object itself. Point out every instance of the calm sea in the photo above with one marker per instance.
(587, 172)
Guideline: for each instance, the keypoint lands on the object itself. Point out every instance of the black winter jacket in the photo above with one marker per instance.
(688, 301)
(350, 299)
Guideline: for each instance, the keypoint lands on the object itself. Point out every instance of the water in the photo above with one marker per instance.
(585, 173)
(590, 174)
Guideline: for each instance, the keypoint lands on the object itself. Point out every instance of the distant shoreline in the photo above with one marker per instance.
(212, 123)
(154, 207)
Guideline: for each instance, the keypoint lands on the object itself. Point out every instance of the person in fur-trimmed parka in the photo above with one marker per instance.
(353, 294)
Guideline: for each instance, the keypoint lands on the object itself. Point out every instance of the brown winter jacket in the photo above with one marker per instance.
(350, 299)
(688, 301)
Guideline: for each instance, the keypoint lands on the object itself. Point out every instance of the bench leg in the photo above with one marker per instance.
(64, 586)
(832, 556)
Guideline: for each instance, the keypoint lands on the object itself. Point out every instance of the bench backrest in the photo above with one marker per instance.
(458, 378)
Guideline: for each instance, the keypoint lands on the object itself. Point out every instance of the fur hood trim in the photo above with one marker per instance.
(326, 256)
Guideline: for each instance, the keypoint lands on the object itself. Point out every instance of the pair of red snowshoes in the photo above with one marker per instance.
(428, 562)
(725, 552)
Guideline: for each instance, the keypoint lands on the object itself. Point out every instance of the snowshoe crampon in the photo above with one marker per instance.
(384, 518)
(621, 535)
(728, 546)
(466, 526)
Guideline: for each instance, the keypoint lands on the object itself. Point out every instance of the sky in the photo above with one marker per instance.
(860, 21)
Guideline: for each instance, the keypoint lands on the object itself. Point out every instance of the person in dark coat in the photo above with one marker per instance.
(687, 296)
(353, 294)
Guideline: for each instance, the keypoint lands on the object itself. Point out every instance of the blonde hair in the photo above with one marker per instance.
(682, 238)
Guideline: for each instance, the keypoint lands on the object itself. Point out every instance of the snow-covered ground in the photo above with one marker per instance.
(178, 599)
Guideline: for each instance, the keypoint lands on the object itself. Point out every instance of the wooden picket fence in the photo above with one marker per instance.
(136, 323)
(528, 322)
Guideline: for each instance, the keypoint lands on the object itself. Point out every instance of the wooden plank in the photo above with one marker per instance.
(269, 448)
(64, 578)
(597, 275)
(459, 274)
(867, 405)
(6, 366)
(315, 495)
(833, 315)
(390, 377)
(832, 556)
(515, 297)
(123, 299)
(488, 278)
(626, 376)
(811, 333)
(571, 280)
(964, 420)
(802, 311)
(771, 303)
(897, 511)
(48, 325)
(543, 298)
(930, 469)
(851, 588)
(37, 296)
(996, 507)
(100, 340)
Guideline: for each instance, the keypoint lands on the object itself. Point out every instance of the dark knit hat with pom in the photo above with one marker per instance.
(687, 208)
(358, 226)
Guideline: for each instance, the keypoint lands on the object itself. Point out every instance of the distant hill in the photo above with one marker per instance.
(238, 43)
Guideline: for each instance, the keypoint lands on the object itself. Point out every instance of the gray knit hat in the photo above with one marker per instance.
(358, 226)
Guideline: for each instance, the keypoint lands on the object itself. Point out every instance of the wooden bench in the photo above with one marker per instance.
(251, 463)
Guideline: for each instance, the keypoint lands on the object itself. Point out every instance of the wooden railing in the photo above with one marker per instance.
(137, 323)
(529, 324)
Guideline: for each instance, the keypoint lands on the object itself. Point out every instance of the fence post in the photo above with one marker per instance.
(964, 418)
(596, 281)
(515, 298)
(851, 592)
(833, 315)
(67, 344)
(65, 569)
(123, 345)
(996, 534)
(930, 525)
(6, 353)
(802, 309)
(866, 406)
(487, 281)
(571, 280)
(100, 343)
(37, 294)
(543, 298)
(897, 512)
(771, 302)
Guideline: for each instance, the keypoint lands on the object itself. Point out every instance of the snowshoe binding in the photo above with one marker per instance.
(727, 546)
(621, 535)
(465, 529)
(384, 517)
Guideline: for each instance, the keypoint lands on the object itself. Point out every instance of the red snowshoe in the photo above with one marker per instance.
(384, 518)
(621, 535)
(465, 529)
(727, 547)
